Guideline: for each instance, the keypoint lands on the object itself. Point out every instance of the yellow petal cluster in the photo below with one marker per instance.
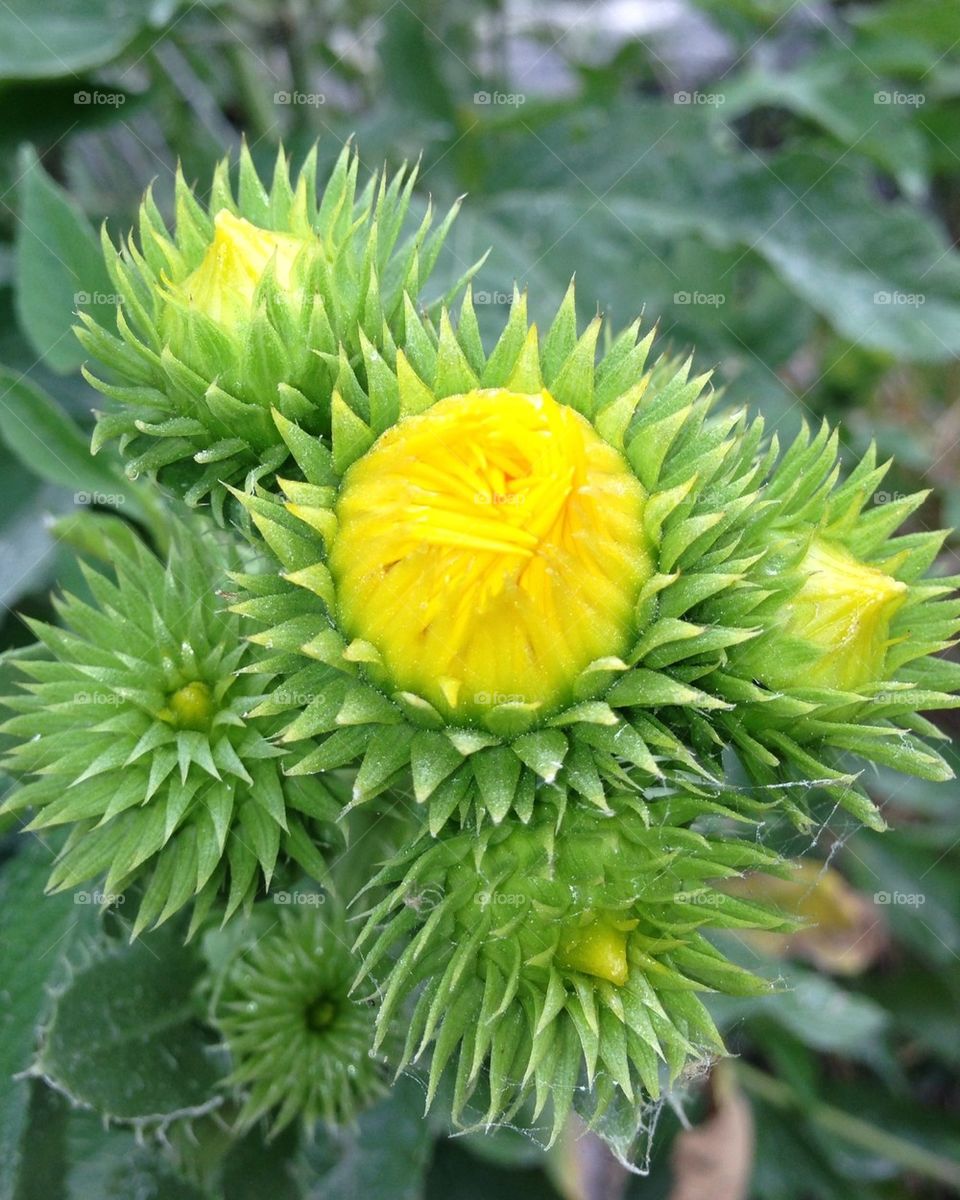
(490, 549)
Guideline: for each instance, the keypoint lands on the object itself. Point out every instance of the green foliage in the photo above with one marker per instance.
(60, 270)
(36, 935)
(74, 37)
(123, 1038)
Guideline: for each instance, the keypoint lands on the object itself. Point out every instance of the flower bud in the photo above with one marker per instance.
(247, 306)
(300, 1044)
(543, 953)
(225, 283)
(837, 625)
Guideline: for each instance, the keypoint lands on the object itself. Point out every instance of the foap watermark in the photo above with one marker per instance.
(104, 499)
(499, 499)
(903, 99)
(300, 899)
(503, 99)
(300, 99)
(711, 99)
(703, 299)
(900, 299)
(293, 699)
(106, 99)
(888, 497)
(105, 700)
(501, 899)
(493, 298)
(900, 899)
(90, 299)
(706, 899)
(101, 899)
(498, 698)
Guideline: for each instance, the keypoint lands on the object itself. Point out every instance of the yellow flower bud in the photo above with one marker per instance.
(489, 550)
(224, 285)
(190, 707)
(597, 947)
(842, 612)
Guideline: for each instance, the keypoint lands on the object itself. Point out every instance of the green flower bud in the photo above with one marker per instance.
(136, 722)
(253, 303)
(838, 621)
(224, 286)
(301, 1046)
(536, 960)
(850, 632)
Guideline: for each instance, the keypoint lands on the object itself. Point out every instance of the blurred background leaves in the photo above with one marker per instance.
(777, 183)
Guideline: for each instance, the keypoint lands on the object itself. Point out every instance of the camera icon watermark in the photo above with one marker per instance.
(88, 299)
(493, 298)
(100, 699)
(499, 499)
(709, 99)
(292, 697)
(900, 299)
(704, 299)
(706, 899)
(98, 98)
(503, 99)
(300, 99)
(103, 499)
(902, 99)
(493, 698)
(300, 899)
(900, 899)
(501, 899)
(100, 899)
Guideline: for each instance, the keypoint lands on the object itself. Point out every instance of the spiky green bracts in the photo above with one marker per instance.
(300, 1044)
(249, 306)
(545, 962)
(851, 633)
(706, 549)
(135, 728)
(663, 489)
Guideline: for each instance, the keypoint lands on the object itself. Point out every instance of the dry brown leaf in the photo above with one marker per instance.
(714, 1160)
(845, 933)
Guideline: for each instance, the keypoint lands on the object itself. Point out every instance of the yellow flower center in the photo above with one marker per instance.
(190, 707)
(225, 283)
(597, 947)
(844, 609)
(490, 549)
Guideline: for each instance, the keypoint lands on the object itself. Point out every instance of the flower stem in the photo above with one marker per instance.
(852, 1129)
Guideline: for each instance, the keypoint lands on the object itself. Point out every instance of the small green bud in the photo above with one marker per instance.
(190, 707)
(301, 1045)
